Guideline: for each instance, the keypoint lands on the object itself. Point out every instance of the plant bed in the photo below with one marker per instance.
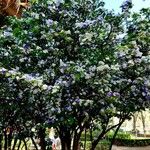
(132, 142)
(142, 135)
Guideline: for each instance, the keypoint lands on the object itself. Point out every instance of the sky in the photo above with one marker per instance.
(115, 4)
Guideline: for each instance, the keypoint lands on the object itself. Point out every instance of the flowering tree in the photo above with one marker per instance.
(60, 70)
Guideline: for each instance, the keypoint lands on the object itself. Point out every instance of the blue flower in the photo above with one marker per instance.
(68, 108)
(51, 121)
(77, 100)
(26, 46)
(109, 94)
(49, 22)
(7, 33)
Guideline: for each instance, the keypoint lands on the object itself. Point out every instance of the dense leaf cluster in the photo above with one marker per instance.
(64, 65)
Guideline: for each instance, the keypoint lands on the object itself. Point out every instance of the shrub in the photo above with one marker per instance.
(120, 135)
(132, 142)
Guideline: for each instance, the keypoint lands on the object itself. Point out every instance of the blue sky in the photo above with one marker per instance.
(138, 4)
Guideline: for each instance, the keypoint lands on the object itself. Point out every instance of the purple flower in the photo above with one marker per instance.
(3, 71)
(68, 108)
(58, 2)
(148, 97)
(49, 22)
(26, 46)
(100, 18)
(7, 33)
(116, 94)
(82, 25)
(109, 94)
(50, 121)
(77, 100)
(127, 4)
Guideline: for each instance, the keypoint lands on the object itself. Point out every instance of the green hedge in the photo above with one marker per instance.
(120, 135)
(132, 142)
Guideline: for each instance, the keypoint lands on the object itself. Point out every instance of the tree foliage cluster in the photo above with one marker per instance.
(64, 64)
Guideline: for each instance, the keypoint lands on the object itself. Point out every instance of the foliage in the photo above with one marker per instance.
(120, 135)
(63, 65)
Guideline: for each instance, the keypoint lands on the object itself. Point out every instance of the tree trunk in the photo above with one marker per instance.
(76, 144)
(9, 140)
(143, 122)
(19, 145)
(66, 142)
(95, 142)
(91, 135)
(15, 142)
(114, 136)
(25, 144)
(1, 139)
(135, 116)
(5, 140)
(41, 135)
(34, 143)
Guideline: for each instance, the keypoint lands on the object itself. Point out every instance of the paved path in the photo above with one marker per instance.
(130, 148)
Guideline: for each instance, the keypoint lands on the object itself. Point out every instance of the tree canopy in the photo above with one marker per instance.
(65, 65)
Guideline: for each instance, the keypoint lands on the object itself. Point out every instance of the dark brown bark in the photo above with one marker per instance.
(41, 135)
(15, 142)
(95, 142)
(5, 140)
(19, 145)
(91, 135)
(1, 139)
(105, 130)
(66, 142)
(114, 136)
(9, 140)
(34, 143)
(25, 144)
(76, 141)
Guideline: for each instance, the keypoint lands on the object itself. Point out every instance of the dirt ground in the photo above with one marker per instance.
(130, 148)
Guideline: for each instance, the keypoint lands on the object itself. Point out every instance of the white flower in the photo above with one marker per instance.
(7, 33)
(131, 62)
(147, 82)
(3, 70)
(17, 77)
(124, 65)
(39, 82)
(115, 67)
(101, 63)
(55, 89)
(44, 87)
(88, 76)
(35, 91)
(27, 77)
(45, 51)
(87, 37)
(100, 68)
(58, 2)
(138, 60)
(6, 54)
(138, 53)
